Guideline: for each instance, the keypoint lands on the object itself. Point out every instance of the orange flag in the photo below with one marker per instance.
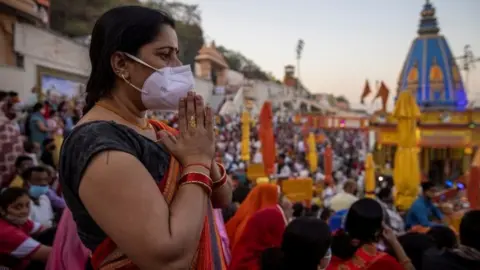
(383, 93)
(366, 92)
(267, 138)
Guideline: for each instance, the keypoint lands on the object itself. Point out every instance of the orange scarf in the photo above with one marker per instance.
(209, 255)
(260, 197)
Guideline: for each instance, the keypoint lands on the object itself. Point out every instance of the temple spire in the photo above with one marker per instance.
(428, 21)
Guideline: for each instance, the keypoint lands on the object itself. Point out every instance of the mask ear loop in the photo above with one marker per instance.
(132, 85)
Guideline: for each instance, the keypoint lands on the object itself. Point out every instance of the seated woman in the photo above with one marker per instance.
(305, 245)
(117, 168)
(17, 247)
(263, 230)
(355, 246)
(261, 197)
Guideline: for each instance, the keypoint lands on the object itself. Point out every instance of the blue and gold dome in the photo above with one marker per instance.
(430, 70)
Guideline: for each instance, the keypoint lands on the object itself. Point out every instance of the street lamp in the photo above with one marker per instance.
(299, 51)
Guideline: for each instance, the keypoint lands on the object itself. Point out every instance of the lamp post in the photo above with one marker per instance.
(468, 63)
(299, 51)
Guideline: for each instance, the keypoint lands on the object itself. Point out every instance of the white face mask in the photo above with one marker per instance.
(163, 89)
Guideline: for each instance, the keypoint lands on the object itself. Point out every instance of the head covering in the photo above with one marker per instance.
(263, 230)
(260, 197)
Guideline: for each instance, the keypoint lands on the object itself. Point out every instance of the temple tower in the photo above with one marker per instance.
(430, 70)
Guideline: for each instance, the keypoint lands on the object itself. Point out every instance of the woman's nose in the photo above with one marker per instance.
(176, 62)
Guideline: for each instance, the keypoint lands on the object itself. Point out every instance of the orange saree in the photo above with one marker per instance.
(209, 255)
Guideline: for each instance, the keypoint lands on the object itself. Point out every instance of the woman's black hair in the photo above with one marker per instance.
(10, 195)
(326, 214)
(124, 29)
(363, 225)
(37, 107)
(415, 245)
(306, 241)
(298, 209)
(443, 236)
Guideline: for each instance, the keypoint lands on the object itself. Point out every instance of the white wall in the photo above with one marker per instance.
(42, 48)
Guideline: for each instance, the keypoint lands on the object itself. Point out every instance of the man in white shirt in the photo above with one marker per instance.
(36, 182)
(345, 198)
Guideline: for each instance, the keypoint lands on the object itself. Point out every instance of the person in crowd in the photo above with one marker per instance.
(282, 168)
(355, 246)
(48, 153)
(298, 210)
(36, 127)
(17, 247)
(423, 209)
(465, 256)
(56, 127)
(10, 144)
(260, 197)
(66, 115)
(238, 196)
(392, 218)
(325, 214)
(114, 154)
(58, 203)
(36, 181)
(345, 198)
(415, 245)
(33, 150)
(22, 163)
(263, 230)
(444, 237)
(305, 245)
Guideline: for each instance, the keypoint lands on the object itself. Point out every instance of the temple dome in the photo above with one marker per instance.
(430, 70)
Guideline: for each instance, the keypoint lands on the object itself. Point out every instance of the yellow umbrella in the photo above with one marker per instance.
(369, 176)
(312, 152)
(406, 174)
(245, 151)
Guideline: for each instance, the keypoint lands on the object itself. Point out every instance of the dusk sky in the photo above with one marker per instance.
(346, 41)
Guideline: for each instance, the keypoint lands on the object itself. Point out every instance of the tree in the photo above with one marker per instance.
(77, 18)
(238, 62)
(342, 99)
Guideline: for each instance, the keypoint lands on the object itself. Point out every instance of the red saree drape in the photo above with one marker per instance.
(263, 230)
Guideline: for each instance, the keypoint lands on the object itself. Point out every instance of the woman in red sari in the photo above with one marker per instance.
(263, 230)
(141, 195)
(261, 197)
(355, 246)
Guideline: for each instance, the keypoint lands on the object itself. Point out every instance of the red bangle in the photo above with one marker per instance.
(223, 177)
(198, 179)
(198, 164)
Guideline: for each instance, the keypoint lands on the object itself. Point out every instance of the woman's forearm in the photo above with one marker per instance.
(222, 196)
(187, 214)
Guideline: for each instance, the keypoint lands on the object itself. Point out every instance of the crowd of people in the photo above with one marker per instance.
(80, 180)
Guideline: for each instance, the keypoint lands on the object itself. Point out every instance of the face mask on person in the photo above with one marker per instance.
(37, 191)
(163, 89)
